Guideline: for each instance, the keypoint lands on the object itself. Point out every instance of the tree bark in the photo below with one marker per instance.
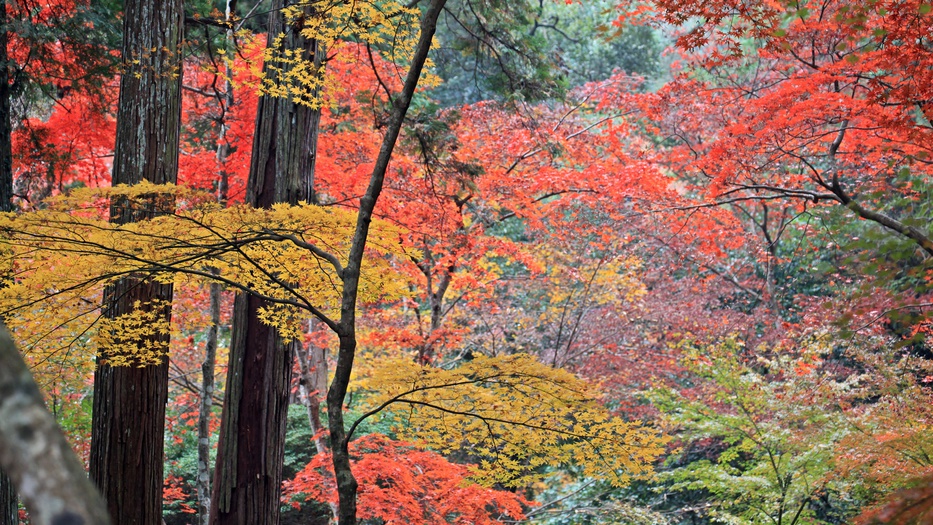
(346, 328)
(248, 474)
(8, 504)
(34, 451)
(312, 383)
(128, 422)
(6, 125)
(204, 412)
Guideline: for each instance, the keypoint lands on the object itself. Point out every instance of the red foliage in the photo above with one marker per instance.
(401, 484)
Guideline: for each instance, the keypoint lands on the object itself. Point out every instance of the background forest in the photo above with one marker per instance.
(659, 262)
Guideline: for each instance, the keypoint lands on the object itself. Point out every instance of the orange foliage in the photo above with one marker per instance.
(401, 484)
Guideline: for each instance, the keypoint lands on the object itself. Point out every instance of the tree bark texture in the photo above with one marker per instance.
(248, 473)
(204, 412)
(346, 329)
(251, 449)
(312, 383)
(6, 126)
(8, 503)
(33, 450)
(127, 433)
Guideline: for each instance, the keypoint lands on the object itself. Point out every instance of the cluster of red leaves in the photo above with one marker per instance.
(174, 491)
(402, 484)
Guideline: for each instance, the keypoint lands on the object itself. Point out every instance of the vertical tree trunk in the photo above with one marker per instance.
(312, 363)
(248, 474)
(210, 351)
(8, 504)
(204, 413)
(6, 125)
(346, 328)
(312, 383)
(128, 422)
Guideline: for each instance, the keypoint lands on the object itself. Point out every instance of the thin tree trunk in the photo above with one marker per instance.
(34, 451)
(204, 413)
(6, 125)
(210, 350)
(128, 422)
(346, 328)
(312, 383)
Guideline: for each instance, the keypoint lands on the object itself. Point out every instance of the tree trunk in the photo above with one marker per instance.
(34, 451)
(346, 328)
(8, 505)
(312, 383)
(6, 126)
(248, 475)
(204, 413)
(210, 350)
(128, 422)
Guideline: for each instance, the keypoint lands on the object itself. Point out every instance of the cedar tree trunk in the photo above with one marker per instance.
(251, 449)
(8, 505)
(128, 422)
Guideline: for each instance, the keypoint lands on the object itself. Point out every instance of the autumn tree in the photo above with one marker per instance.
(403, 483)
(818, 105)
(45, 49)
(248, 473)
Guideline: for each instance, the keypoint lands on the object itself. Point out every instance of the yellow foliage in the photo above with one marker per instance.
(516, 416)
(138, 338)
(61, 257)
(390, 27)
(605, 280)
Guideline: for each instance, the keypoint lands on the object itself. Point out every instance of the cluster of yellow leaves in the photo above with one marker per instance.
(138, 338)
(602, 281)
(515, 417)
(391, 28)
(60, 258)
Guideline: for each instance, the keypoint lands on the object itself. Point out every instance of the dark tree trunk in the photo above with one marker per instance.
(248, 474)
(8, 504)
(128, 420)
(6, 126)
(34, 451)
(346, 328)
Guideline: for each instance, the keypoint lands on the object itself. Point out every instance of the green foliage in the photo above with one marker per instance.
(534, 50)
(757, 438)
